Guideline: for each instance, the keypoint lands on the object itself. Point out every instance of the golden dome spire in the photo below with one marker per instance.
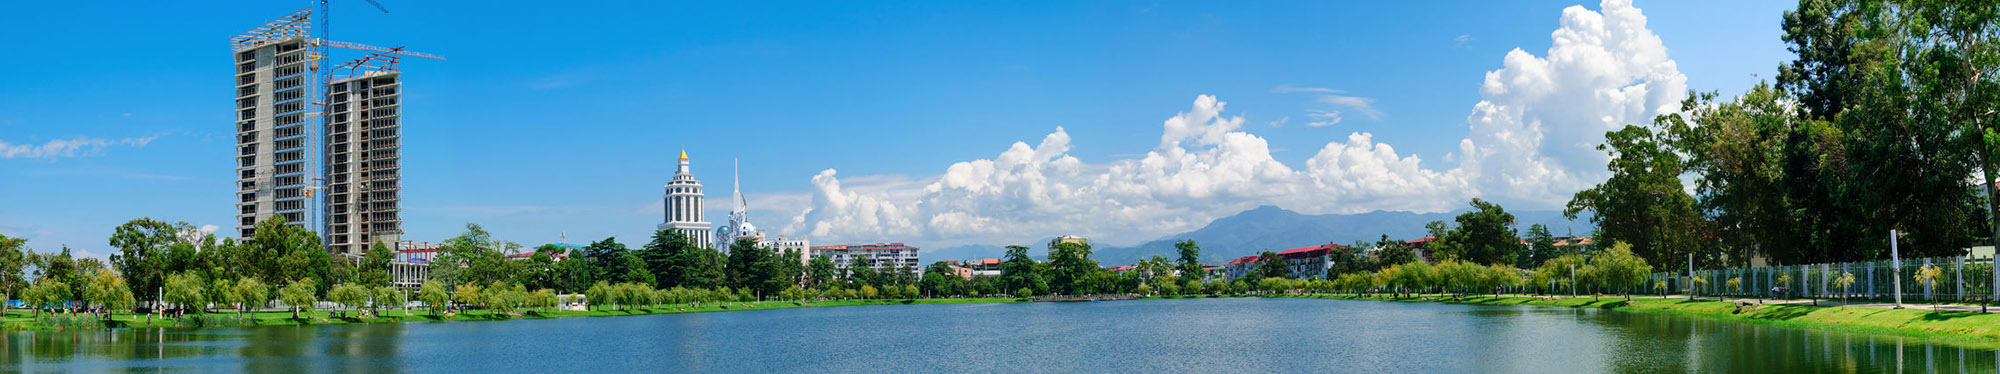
(684, 154)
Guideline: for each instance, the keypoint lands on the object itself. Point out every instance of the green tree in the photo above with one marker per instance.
(1271, 265)
(1190, 258)
(1393, 252)
(469, 294)
(434, 296)
(249, 293)
(374, 269)
(1643, 202)
(45, 294)
(1484, 235)
(1619, 269)
(109, 292)
(141, 257)
(186, 290)
(13, 269)
(821, 270)
(756, 268)
(386, 295)
(1070, 266)
(353, 296)
(300, 295)
(1541, 247)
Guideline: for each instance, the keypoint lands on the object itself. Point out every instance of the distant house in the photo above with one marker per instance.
(1241, 267)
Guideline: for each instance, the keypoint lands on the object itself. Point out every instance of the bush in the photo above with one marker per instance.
(68, 320)
(211, 320)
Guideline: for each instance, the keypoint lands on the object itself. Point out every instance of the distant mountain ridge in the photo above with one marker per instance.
(1276, 229)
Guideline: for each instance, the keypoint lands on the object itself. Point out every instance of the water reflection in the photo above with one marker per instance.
(1711, 345)
(1253, 335)
(365, 348)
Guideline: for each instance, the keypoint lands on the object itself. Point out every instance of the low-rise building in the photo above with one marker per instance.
(1242, 267)
(883, 257)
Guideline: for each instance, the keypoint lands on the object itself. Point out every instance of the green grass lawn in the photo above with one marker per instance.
(1971, 328)
(21, 320)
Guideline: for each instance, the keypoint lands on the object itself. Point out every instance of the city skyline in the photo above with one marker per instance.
(591, 177)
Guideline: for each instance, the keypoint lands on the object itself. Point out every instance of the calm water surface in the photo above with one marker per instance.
(1189, 335)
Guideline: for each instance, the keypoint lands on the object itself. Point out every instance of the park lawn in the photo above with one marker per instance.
(20, 320)
(1972, 328)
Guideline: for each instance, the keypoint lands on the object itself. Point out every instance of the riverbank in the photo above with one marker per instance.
(19, 320)
(1961, 327)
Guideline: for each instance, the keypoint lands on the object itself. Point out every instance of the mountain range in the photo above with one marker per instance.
(1276, 229)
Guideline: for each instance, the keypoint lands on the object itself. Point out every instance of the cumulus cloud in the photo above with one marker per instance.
(72, 147)
(1535, 133)
(1531, 144)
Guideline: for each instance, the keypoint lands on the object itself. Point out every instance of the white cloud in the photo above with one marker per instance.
(1531, 144)
(1461, 40)
(1534, 135)
(1330, 103)
(72, 147)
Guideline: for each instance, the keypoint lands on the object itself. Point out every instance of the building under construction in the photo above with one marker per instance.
(319, 145)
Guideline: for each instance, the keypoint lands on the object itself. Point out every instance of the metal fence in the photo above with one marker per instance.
(1962, 279)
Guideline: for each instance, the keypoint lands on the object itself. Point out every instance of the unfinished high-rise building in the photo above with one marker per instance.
(362, 150)
(318, 145)
(274, 85)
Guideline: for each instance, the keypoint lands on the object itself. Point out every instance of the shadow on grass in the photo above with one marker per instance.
(1947, 315)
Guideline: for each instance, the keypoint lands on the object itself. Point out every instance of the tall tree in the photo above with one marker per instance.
(1643, 202)
(374, 269)
(821, 270)
(1485, 235)
(1190, 258)
(141, 257)
(1541, 247)
(1020, 271)
(1070, 267)
(1271, 265)
(13, 267)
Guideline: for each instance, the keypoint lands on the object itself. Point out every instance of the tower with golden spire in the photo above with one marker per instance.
(684, 205)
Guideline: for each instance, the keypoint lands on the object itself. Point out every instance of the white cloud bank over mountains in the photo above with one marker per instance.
(1531, 142)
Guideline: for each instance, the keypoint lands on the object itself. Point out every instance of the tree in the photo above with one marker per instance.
(185, 289)
(1271, 265)
(1845, 280)
(1484, 235)
(1070, 267)
(374, 269)
(13, 266)
(756, 268)
(434, 296)
(354, 296)
(1619, 269)
(1643, 202)
(821, 270)
(142, 245)
(249, 292)
(1393, 252)
(1190, 258)
(109, 292)
(598, 294)
(386, 295)
(469, 294)
(45, 294)
(1541, 247)
(1928, 276)
(301, 295)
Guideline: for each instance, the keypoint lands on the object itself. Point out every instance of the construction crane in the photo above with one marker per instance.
(370, 48)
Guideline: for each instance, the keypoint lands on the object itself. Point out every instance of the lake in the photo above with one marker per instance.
(1181, 335)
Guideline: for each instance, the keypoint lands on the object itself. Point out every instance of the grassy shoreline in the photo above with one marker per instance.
(1952, 327)
(19, 320)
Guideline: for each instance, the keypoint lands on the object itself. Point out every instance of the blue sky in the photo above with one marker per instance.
(551, 118)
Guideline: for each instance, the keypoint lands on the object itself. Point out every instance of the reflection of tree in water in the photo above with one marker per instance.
(357, 348)
(1657, 342)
